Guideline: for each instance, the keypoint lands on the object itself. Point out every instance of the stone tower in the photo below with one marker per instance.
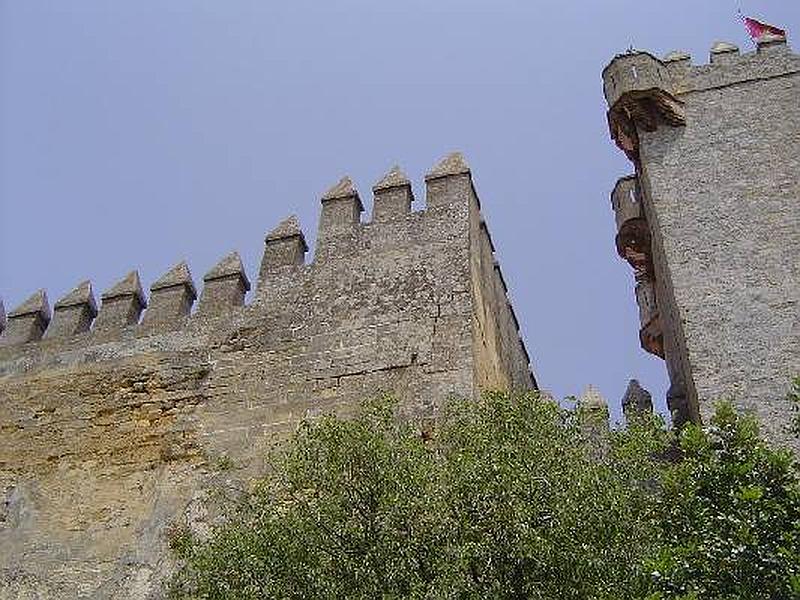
(710, 220)
(113, 425)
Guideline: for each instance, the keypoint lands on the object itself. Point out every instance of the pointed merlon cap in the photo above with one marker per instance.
(591, 398)
(723, 48)
(179, 275)
(343, 189)
(130, 285)
(35, 304)
(288, 228)
(394, 178)
(229, 266)
(82, 294)
(677, 55)
(452, 164)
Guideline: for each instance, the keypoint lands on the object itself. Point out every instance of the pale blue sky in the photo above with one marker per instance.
(135, 134)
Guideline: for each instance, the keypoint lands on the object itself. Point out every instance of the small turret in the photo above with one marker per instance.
(392, 196)
(28, 321)
(225, 286)
(633, 236)
(171, 298)
(74, 312)
(637, 401)
(450, 181)
(641, 94)
(284, 246)
(122, 305)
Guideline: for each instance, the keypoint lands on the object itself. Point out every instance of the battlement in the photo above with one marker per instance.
(123, 410)
(126, 313)
(709, 220)
(644, 92)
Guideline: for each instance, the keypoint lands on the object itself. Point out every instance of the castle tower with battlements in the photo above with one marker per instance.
(114, 418)
(710, 221)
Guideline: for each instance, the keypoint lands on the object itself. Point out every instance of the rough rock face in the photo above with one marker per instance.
(636, 400)
(710, 222)
(112, 436)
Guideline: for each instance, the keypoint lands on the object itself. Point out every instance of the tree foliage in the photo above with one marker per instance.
(794, 398)
(511, 497)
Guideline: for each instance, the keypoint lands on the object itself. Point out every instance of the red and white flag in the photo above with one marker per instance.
(757, 29)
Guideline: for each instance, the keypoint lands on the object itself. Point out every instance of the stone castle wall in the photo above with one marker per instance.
(108, 436)
(717, 155)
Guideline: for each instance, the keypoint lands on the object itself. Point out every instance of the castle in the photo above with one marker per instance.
(115, 425)
(710, 221)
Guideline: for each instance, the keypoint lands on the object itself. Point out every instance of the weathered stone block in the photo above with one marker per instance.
(721, 226)
(109, 440)
(28, 321)
(392, 196)
(122, 305)
(284, 246)
(171, 298)
(341, 207)
(73, 313)
(224, 287)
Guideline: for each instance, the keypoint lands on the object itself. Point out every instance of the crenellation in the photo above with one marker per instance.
(73, 313)
(449, 181)
(341, 208)
(224, 287)
(714, 241)
(414, 304)
(171, 299)
(630, 78)
(27, 322)
(392, 196)
(769, 45)
(723, 53)
(121, 305)
(679, 65)
(284, 246)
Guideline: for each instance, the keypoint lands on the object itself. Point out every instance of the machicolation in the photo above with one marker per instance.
(710, 221)
(114, 419)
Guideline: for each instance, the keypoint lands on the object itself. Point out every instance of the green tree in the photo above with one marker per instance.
(730, 515)
(510, 497)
